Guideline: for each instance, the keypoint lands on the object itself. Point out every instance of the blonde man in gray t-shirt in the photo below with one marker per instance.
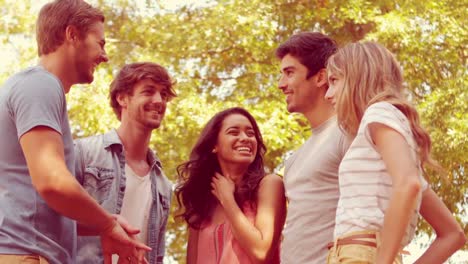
(40, 200)
(311, 173)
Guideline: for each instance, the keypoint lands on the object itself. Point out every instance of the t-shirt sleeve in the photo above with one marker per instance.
(388, 115)
(37, 100)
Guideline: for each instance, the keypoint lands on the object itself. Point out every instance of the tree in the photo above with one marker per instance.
(222, 55)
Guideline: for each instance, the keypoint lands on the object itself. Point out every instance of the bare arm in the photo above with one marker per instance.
(44, 152)
(259, 240)
(89, 231)
(192, 246)
(450, 236)
(406, 185)
(43, 149)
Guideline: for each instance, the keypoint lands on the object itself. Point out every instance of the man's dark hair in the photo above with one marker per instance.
(312, 49)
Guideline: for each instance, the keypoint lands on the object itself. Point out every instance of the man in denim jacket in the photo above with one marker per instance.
(119, 169)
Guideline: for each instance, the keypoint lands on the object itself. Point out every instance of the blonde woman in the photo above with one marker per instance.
(382, 187)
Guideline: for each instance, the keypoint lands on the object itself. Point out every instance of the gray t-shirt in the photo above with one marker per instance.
(311, 183)
(28, 226)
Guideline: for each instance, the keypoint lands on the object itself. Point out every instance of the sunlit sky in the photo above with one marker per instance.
(10, 53)
(170, 4)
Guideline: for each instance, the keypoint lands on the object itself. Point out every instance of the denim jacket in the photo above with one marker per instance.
(100, 168)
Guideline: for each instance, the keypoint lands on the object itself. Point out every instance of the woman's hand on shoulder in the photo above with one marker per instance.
(222, 188)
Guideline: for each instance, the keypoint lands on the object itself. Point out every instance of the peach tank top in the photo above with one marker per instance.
(217, 245)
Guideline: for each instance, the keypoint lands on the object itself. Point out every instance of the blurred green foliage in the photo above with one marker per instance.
(222, 55)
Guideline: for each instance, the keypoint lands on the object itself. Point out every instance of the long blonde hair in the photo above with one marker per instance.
(371, 74)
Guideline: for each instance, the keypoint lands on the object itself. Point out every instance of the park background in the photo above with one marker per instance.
(222, 54)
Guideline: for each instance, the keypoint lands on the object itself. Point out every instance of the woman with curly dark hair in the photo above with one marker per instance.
(234, 211)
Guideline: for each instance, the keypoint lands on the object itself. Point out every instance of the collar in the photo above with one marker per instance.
(111, 140)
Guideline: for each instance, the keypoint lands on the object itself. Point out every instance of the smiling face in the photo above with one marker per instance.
(90, 53)
(146, 105)
(236, 141)
(301, 92)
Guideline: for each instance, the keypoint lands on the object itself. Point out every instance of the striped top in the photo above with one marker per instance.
(365, 185)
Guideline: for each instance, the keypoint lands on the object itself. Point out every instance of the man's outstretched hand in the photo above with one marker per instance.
(127, 227)
(120, 239)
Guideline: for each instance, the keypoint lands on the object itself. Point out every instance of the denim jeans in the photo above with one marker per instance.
(356, 253)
